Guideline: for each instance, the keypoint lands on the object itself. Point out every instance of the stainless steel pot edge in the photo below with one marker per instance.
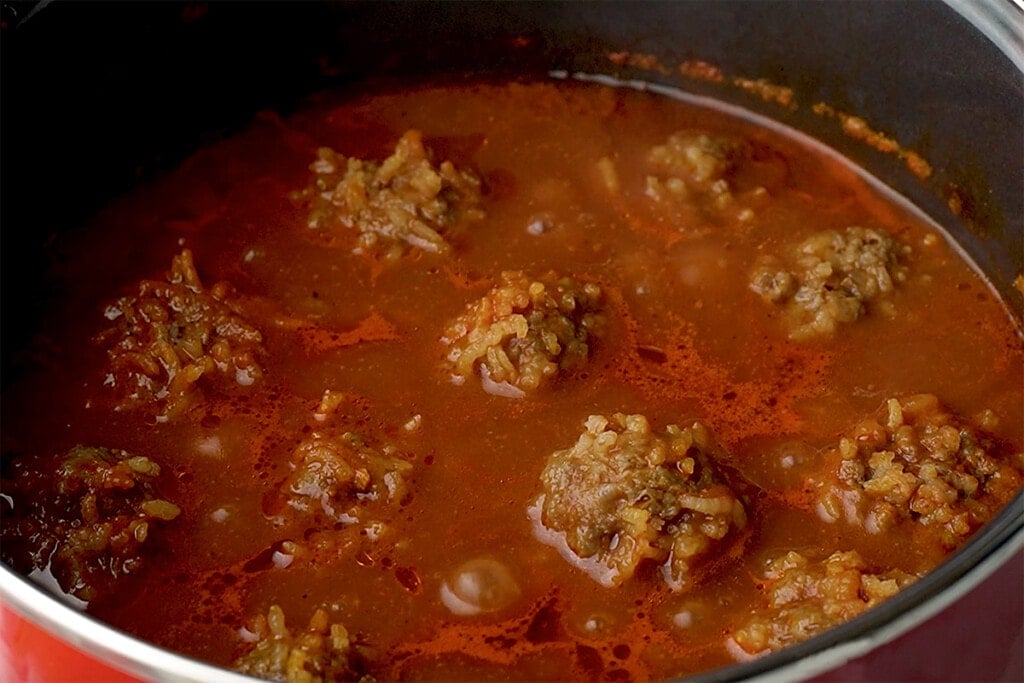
(1001, 21)
(832, 658)
(158, 665)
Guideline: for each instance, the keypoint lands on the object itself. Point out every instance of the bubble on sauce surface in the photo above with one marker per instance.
(783, 465)
(688, 615)
(683, 618)
(539, 224)
(210, 446)
(478, 586)
(702, 264)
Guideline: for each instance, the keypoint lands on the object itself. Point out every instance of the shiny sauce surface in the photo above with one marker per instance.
(684, 338)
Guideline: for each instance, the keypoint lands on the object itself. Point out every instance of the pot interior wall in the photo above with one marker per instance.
(100, 97)
(97, 96)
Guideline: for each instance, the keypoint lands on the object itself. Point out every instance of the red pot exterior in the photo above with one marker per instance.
(30, 654)
(979, 638)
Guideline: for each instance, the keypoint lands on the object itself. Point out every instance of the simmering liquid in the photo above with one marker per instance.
(444, 566)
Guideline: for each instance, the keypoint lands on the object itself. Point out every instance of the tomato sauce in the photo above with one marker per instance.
(563, 170)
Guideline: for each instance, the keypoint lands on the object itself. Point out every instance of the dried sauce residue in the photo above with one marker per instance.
(853, 126)
(639, 60)
(858, 129)
(701, 71)
(767, 91)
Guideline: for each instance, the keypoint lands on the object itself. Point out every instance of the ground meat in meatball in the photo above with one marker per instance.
(524, 332)
(337, 471)
(89, 521)
(693, 163)
(804, 598)
(323, 652)
(918, 463)
(696, 156)
(174, 333)
(832, 278)
(623, 494)
(404, 200)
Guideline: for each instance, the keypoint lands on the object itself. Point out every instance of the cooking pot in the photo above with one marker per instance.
(100, 97)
